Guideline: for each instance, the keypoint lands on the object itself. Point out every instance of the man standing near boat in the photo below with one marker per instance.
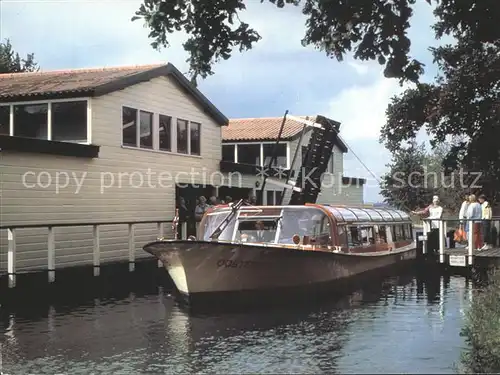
(433, 211)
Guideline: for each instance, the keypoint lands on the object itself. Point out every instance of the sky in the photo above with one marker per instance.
(278, 74)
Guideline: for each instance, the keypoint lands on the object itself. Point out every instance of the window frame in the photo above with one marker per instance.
(190, 140)
(174, 150)
(261, 145)
(49, 103)
(171, 133)
(233, 151)
(152, 117)
(275, 195)
(188, 136)
(265, 162)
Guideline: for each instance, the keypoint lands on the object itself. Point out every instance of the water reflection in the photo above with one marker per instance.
(408, 323)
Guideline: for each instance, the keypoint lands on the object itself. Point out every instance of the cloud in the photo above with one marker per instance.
(361, 109)
(358, 68)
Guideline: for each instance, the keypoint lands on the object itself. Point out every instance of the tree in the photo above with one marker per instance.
(462, 108)
(372, 29)
(11, 62)
(415, 175)
(404, 185)
(450, 186)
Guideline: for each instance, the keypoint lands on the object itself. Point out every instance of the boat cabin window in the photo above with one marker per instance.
(381, 234)
(360, 235)
(211, 222)
(256, 231)
(410, 231)
(342, 236)
(402, 232)
(310, 222)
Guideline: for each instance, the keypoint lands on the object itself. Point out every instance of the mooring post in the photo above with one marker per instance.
(51, 256)
(441, 241)
(471, 242)
(160, 235)
(424, 235)
(11, 257)
(446, 238)
(131, 248)
(96, 254)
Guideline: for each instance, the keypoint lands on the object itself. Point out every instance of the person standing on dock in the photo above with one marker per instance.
(463, 213)
(474, 212)
(486, 216)
(433, 211)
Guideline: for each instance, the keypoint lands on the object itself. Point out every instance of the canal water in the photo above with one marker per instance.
(403, 324)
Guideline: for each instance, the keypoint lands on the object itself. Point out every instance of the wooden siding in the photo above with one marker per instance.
(88, 201)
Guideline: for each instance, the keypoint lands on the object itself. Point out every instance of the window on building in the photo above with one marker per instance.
(129, 126)
(280, 160)
(249, 154)
(277, 197)
(228, 153)
(165, 133)
(5, 119)
(273, 197)
(31, 120)
(182, 136)
(146, 129)
(69, 121)
(270, 198)
(195, 132)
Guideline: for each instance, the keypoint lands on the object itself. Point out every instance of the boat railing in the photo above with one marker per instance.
(445, 226)
(96, 253)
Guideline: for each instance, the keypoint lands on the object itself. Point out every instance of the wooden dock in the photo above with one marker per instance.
(438, 243)
(58, 249)
(459, 257)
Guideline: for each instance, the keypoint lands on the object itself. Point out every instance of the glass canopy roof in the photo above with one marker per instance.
(367, 214)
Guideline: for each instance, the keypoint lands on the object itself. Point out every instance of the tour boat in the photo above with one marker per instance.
(269, 250)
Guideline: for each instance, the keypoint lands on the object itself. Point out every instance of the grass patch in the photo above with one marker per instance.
(482, 330)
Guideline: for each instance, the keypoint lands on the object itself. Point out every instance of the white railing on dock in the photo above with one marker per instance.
(443, 225)
(96, 253)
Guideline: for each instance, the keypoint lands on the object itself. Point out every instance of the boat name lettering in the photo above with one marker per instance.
(228, 263)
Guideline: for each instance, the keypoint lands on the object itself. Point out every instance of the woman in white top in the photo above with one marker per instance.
(463, 213)
(475, 212)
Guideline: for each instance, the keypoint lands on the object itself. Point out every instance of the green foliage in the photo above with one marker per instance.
(371, 29)
(482, 331)
(11, 62)
(463, 103)
(404, 186)
(415, 175)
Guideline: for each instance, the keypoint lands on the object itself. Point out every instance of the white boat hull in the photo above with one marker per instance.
(198, 267)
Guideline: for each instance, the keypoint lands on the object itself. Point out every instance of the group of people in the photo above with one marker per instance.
(477, 209)
(473, 208)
